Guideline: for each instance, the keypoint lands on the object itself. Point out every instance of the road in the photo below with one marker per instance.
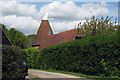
(44, 74)
(28, 78)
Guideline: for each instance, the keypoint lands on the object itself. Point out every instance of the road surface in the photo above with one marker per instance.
(28, 78)
(45, 74)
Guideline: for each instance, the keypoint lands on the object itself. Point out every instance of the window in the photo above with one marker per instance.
(48, 32)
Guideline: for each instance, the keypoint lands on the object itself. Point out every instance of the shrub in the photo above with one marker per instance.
(12, 60)
(31, 55)
(95, 55)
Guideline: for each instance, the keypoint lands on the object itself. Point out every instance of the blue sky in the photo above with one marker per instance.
(26, 16)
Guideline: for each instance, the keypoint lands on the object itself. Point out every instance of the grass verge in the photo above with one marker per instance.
(33, 76)
(82, 75)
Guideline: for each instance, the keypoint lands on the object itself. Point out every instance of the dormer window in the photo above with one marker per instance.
(48, 32)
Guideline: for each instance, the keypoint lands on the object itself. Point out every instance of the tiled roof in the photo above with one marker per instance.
(43, 39)
(58, 39)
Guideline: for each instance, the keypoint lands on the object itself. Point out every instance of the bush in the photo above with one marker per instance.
(31, 55)
(12, 60)
(95, 55)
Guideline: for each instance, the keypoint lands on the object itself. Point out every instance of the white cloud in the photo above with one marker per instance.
(70, 11)
(15, 8)
(64, 26)
(25, 24)
(26, 17)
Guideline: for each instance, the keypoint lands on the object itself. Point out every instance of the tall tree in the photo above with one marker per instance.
(97, 26)
(17, 38)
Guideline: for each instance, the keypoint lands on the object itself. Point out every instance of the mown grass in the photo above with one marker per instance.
(81, 75)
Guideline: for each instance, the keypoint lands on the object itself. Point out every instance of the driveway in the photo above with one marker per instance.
(45, 75)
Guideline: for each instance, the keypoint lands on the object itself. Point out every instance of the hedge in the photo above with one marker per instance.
(96, 55)
(31, 55)
(12, 63)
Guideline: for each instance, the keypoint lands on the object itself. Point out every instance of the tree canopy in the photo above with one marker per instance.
(97, 26)
(18, 38)
(29, 40)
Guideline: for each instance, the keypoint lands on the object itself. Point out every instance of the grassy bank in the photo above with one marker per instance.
(81, 75)
(33, 76)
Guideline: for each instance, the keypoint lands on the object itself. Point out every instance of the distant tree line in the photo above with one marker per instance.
(18, 38)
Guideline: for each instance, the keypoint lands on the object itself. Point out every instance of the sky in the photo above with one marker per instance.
(26, 16)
